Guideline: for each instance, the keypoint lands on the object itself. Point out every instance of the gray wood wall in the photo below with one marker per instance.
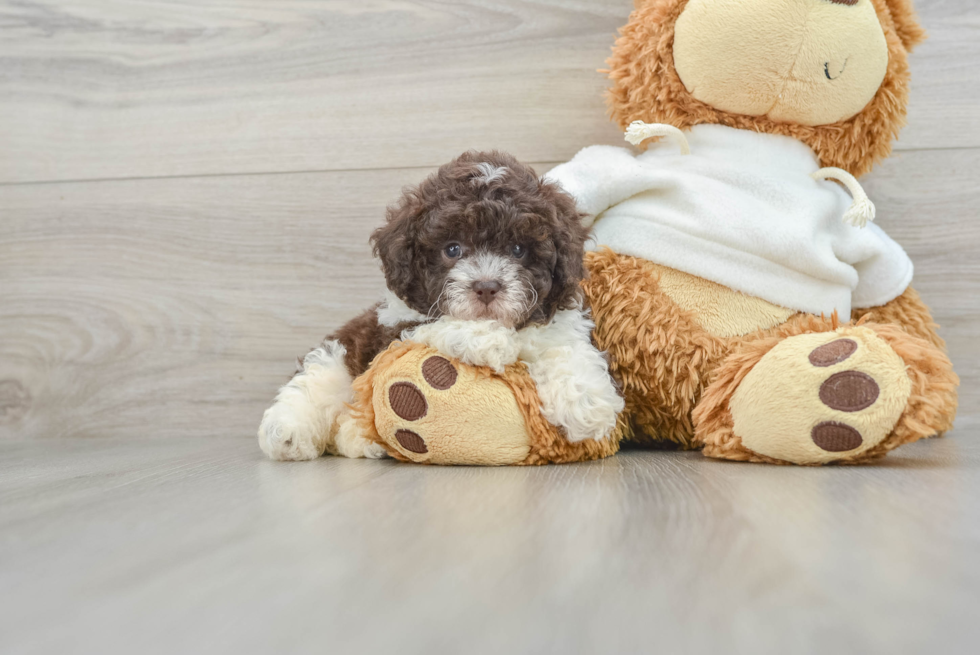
(187, 188)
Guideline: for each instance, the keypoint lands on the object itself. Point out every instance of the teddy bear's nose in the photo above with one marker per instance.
(486, 290)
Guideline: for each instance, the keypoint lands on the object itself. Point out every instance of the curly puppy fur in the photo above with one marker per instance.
(478, 209)
(486, 204)
(647, 87)
(482, 238)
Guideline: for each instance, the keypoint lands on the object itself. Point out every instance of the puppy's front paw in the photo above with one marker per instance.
(597, 426)
(285, 436)
(577, 394)
(477, 343)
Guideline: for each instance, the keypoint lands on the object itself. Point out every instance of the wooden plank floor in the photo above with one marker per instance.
(186, 192)
(197, 545)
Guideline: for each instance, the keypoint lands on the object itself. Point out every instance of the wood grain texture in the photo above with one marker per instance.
(192, 546)
(138, 88)
(246, 151)
(177, 306)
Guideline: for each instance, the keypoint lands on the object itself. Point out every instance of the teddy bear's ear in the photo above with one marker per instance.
(907, 25)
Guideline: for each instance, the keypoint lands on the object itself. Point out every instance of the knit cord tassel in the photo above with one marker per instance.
(638, 132)
(862, 210)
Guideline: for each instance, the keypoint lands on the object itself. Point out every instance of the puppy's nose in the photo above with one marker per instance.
(486, 290)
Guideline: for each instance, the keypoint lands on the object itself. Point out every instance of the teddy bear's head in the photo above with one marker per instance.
(831, 73)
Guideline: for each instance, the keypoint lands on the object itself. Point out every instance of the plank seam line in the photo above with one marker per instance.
(190, 176)
(314, 171)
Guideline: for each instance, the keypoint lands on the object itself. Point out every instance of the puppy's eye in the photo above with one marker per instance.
(453, 251)
(518, 251)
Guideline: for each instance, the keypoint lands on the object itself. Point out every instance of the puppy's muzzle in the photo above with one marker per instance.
(486, 290)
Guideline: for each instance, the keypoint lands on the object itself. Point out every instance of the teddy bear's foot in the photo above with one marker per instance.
(426, 408)
(846, 395)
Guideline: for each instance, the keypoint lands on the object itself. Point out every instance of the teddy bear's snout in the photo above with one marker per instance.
(778, 58)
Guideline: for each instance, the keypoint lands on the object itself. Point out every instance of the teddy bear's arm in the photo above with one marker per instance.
(571, 376)
(599, 177)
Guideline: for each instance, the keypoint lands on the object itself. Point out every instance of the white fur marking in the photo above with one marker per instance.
(478, 343)
(394, 310)
(488, 173)
(571, 376)
(303, 420)
(512, 301)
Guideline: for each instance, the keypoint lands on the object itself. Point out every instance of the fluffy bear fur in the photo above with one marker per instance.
(678, 379)
(929, 410)
(646, 87)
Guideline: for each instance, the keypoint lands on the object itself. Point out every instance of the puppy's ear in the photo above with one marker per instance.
(569, 235)
(395, 245)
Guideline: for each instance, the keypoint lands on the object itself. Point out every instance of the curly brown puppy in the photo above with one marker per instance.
(479, 252)
(482, 238)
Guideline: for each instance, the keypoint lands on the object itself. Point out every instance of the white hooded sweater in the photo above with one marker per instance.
(741, 210)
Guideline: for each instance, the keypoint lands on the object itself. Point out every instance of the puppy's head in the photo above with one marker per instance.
(484, 238)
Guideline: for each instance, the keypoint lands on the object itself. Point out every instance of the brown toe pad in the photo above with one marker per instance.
(439, 373)
(849, 391)
(407, 401)
(836, 437)
(834, 352)
(411, 441)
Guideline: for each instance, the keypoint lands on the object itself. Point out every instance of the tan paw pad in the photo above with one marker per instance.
(822, 397)
(429, 409)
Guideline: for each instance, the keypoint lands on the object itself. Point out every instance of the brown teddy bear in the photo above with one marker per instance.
(742, 353)
(749, 306)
